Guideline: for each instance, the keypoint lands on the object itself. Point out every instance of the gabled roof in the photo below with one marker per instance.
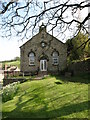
(40, 29)
(29, 40)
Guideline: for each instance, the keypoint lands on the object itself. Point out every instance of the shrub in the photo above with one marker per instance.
(9, 91)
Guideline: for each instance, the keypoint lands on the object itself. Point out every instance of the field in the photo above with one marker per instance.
(12, 62)
(52, 97)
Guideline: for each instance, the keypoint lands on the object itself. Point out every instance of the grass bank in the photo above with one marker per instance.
(12, 63)
(52, 97)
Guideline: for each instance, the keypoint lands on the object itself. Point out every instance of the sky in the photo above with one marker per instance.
(9, 49)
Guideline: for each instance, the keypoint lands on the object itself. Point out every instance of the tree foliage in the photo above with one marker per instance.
(17, 58)
(76, 47)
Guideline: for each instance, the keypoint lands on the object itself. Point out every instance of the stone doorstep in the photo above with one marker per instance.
(38, 78)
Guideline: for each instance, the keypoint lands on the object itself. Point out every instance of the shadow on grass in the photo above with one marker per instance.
(37, 108)
(81, 78)
(43, 112)
(58, 83)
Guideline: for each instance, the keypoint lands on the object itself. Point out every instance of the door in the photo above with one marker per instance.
(43, 65)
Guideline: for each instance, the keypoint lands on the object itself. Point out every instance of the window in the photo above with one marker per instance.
(55, 58)
(43, 44)
(31, 58)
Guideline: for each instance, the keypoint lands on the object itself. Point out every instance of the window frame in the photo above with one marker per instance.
(55, 58)
(31, 60)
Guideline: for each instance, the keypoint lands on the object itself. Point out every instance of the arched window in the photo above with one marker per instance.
(31, 58)
(55, 57)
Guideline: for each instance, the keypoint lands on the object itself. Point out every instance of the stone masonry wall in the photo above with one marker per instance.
(34, 45)
(80, 67)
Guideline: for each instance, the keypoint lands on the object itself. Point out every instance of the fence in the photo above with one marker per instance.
(80, 67)
(11, 80)
(11, 73)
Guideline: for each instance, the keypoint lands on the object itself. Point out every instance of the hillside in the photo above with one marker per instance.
(52, 97)
(12, 63)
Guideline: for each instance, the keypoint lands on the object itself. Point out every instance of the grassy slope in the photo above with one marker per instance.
(48, 98)
(15, 63)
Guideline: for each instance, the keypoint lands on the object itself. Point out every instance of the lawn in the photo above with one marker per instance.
(51, 98)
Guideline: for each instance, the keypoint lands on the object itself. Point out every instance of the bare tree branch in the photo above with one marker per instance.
(22, 17)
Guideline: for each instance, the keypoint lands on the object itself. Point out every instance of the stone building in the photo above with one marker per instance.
(43, 52)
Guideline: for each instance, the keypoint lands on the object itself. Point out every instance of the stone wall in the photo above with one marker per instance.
(80, 67)
(11, 73)
(12, 80)
(34, 45)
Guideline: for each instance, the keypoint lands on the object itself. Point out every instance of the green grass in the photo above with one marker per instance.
(51, 97)
(14, 62)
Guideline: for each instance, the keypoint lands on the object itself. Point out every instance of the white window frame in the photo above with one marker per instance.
(43, 44)
(55, 58)
(31, 59)
(55, 61)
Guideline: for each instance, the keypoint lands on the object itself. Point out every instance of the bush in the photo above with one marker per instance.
(9, 91)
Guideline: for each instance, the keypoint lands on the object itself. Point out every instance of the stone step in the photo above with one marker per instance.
(42, 73)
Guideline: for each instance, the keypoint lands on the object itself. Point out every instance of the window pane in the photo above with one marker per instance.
(55, 54)
(42, 65)
(31, 58)
(31, 54)
(45, 65)
(55, 58)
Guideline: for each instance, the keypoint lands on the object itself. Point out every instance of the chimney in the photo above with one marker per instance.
(42, 28)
